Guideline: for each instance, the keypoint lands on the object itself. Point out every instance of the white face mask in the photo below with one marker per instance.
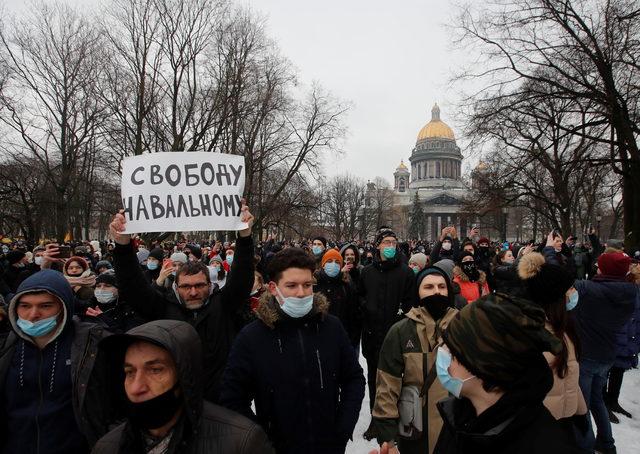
(38, 260)
(446, 246)
(104, 296)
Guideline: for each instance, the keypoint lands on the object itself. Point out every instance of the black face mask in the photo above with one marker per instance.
(156, 412)
(471, 270)
(436, 305)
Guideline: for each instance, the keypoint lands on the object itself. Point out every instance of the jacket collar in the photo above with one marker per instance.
(482, 276)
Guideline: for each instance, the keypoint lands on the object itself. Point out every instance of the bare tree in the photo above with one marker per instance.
(342, 199)
(132, 82)
(52, 95)
(582, 50)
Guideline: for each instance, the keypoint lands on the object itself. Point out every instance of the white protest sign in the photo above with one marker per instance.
(182, 191)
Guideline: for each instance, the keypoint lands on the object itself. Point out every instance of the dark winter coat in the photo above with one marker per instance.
(117, 317)
(217, 322)
(506, 280)
(628, 340)
(564, 258)
(387, 291)
(52, 398)
(604, 307)
(517, 423)
(343, 302)
(203, 426)
(303, 375)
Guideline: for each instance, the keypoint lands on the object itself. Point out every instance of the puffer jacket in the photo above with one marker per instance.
(67, 412)
(410, 346)
(471, 291)
(628, 340)
(203, 426)
(605, 305)
(565, 398)
(303, 376)
(217, 322)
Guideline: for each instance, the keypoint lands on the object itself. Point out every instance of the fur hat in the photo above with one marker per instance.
(546, 283)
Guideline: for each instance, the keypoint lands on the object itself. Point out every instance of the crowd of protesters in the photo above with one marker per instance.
(471, 345)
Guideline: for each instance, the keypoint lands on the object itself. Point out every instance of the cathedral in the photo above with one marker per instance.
(434, 174)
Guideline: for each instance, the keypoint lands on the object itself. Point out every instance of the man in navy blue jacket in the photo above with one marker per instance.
(50, 372)
(605, 304)
(297, 363)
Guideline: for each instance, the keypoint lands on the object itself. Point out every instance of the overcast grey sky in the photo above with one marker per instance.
(391, 60)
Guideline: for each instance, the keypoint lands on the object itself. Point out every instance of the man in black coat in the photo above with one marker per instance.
(387, 290)
(160, 365)
(297, 364)
(215, 313)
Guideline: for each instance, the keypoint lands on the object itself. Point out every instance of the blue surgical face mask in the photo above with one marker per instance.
(152, 265)
(39, 328)
(416, 270)
(216, 270)
(317, 250)
(451, 384)
(573, 301)
(229, 259)
(296, 307)
(332, 269)
(389, 252)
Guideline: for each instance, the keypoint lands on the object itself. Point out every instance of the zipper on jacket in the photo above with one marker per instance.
(320, 369)
(40, 360)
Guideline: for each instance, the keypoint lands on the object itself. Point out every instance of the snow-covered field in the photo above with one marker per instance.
(626, 434)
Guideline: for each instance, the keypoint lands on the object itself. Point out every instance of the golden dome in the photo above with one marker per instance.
(402, 166)
(436, 128)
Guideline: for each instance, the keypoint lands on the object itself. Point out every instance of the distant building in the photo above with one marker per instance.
(436, 176)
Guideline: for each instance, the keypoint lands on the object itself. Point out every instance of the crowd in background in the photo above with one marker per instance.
(470, 344)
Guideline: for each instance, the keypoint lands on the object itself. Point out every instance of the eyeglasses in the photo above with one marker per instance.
(198, 286)
(389, 243)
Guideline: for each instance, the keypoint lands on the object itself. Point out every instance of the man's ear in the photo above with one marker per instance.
(272, 288)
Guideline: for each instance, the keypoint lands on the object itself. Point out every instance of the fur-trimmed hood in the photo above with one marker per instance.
(457, 272)
(268, 308)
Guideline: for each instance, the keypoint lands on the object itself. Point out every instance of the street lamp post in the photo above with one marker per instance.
(598, 219)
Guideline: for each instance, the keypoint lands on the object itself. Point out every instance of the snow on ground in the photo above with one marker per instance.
(626, 434)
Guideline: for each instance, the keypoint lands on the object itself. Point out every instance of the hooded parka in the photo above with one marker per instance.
(51, 397)
(203, 428)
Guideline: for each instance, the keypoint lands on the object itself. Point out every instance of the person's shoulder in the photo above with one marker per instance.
(110, 442)
(219, 419)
